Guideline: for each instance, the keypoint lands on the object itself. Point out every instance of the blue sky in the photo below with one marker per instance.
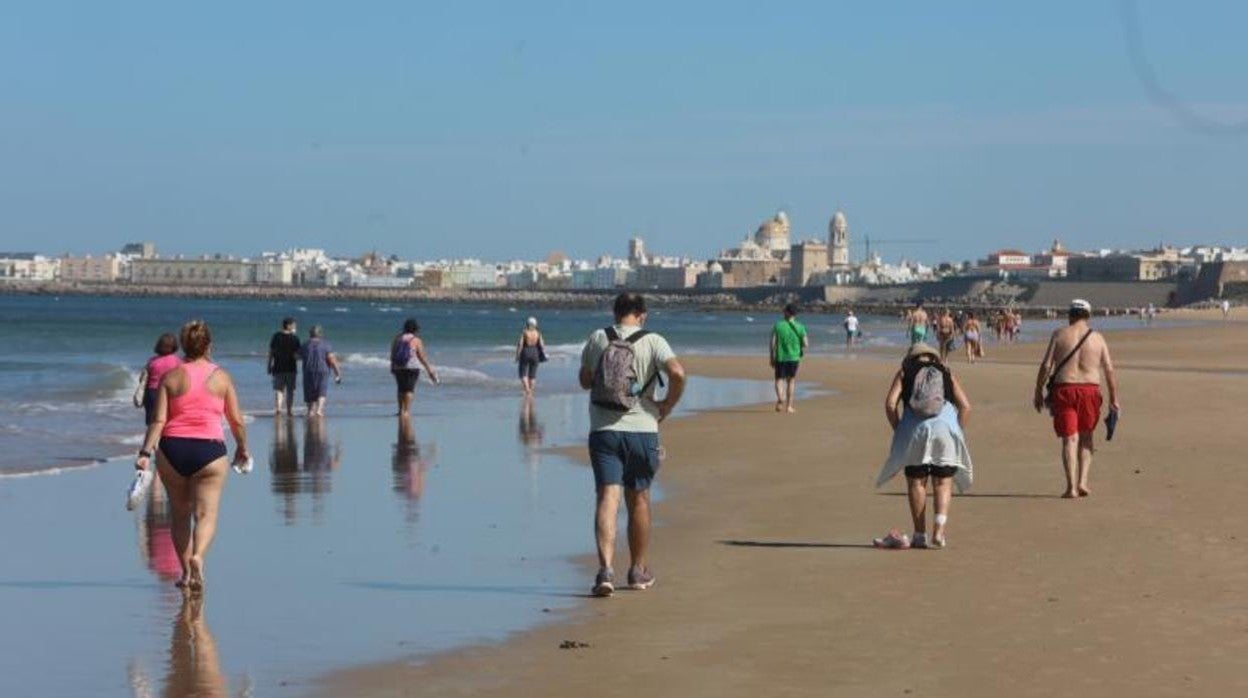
(503, 130)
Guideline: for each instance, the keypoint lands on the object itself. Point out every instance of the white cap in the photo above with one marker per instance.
(531, 322)
(1081, 304)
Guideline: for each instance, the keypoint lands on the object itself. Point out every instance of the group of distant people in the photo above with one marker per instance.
(286, 352)
(946, 326)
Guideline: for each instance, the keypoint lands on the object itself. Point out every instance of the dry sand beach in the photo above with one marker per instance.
(768, 585)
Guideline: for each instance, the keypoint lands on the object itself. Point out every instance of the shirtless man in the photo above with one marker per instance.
(917, 324)
(1076, 396)
(945, 329)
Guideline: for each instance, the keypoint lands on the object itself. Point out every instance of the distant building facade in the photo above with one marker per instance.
(213, 271)
(89, 269)
(656, 277)
(808, 262)
(1165, 263)
(142, 250)
(27, 266)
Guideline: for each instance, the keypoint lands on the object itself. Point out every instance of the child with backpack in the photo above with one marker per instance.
(927, 409)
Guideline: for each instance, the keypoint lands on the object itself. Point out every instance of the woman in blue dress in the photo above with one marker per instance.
(318, 362)
(927, 408)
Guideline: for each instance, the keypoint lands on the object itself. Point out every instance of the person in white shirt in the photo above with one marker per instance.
(851, 329)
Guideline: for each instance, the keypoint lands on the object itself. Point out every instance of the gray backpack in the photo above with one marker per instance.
(927, 397)
(615, 385)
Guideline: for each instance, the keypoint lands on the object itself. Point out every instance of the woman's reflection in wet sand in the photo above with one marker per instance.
(194, 666)
(290, 479)
(409, 465)
(156, 535)
(531, 432)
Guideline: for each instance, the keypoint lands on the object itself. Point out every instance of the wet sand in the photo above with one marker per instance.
(768, 586)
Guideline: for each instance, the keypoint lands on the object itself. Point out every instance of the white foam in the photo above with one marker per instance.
(50, 471)
(454, 375)
(370, 360)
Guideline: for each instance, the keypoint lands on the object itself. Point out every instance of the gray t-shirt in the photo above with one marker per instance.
(652, 353)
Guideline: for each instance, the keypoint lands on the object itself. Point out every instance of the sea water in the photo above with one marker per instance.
(69, 366)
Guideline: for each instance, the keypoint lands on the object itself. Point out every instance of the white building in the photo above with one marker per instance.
(27, 266)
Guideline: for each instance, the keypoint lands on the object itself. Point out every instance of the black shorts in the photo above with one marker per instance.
(149, 404)
(528, 368)
(786, 369)
(937, 471)
(189, 456)
(406, 379)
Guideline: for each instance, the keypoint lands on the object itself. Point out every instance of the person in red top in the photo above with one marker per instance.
(165, 360)
(191, 458)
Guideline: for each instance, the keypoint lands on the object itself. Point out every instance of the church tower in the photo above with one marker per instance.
(838, 242)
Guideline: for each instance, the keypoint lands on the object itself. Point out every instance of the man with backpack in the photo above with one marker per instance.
(621, 366)
(1069, 384)
(788, 345)
(407, 355)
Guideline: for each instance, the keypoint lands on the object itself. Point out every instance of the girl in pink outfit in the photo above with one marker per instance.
(165, 360)
(191, 403)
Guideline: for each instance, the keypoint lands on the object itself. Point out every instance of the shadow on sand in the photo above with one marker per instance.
(465, 589)
(791, 544)
(986, 495)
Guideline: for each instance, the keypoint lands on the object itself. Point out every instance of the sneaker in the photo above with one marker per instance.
(919, 540)
(939, 542)
(894, 541)
(604, 583)
(640, 578)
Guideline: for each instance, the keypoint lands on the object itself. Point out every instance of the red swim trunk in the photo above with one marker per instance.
(1076, 408)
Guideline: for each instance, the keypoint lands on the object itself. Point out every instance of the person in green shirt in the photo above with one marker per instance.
(788, 346)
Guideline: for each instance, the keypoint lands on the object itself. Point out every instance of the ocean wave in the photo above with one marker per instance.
(370, 360)
(451, 375)
(552, 350)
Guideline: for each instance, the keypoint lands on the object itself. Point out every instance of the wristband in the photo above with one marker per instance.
(143, 452)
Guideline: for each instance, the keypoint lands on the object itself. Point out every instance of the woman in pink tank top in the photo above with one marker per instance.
(188, 442)
(165, 360)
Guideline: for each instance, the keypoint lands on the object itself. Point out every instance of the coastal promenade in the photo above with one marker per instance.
(768, 586)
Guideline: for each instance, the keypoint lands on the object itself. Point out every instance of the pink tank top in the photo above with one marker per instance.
(197, 413)
(158, 366)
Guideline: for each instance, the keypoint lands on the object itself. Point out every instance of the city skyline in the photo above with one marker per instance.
(434, 133)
